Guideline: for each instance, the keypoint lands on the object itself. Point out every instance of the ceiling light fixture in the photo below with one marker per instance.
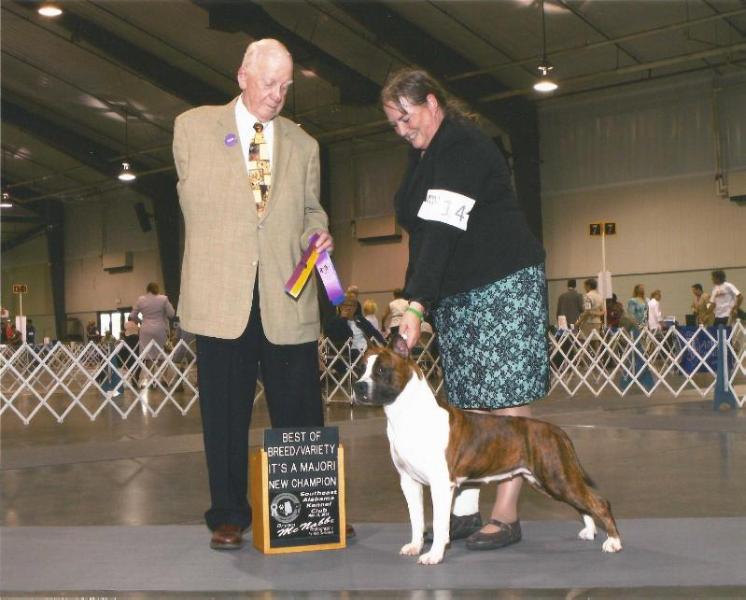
(49, 9)
(544, 84)
(126, 174)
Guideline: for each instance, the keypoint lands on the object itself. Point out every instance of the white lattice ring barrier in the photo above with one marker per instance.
(61, 378)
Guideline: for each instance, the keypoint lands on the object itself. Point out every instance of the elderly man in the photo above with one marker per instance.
(249, 191)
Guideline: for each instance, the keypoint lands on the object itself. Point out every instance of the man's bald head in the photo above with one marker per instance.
(265, 76)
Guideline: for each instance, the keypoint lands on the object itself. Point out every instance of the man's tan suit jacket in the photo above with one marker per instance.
(227, 246)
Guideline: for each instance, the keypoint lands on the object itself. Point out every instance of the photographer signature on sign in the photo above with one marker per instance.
(290, 529)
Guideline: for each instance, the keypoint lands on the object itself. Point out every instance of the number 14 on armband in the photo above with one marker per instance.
(446, 207)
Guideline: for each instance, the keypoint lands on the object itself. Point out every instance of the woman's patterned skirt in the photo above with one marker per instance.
(493, 342)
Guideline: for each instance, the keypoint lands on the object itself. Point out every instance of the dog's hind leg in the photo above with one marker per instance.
(572, 485)
(600, 509)
(413, 494)
(591, 505)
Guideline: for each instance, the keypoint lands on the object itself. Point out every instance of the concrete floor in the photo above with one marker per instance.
(652, 457)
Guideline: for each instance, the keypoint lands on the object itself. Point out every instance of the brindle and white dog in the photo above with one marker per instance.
(444, 447)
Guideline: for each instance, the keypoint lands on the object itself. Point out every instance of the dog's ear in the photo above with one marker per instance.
(399, 345)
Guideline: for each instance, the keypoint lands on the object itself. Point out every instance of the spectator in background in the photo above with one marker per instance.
(354, 293)
(570, 303)
(348, 325)
(14, 337)
(593, 308)
(703, 314)
(156, 310)
(655, 315)
(637, 308)
(132, 339)
(725, 298)
(370, 308)
(181, 355)
(394, 313)
(614, 312)
(92, 332)
(30, 332)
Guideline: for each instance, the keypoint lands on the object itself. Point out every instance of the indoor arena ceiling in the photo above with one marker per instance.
(102, 82)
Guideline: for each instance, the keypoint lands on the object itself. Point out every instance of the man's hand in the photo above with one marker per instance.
(325, 242)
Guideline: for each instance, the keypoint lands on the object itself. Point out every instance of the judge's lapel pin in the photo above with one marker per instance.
(231, 139)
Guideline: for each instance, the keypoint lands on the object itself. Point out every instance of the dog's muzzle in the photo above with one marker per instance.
(361, 392)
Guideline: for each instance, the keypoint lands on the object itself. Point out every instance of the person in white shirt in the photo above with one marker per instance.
(655, 315)
(591, 317)
(725, 298)
(396, 310)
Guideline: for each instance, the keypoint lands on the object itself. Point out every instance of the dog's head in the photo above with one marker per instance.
(387, 372)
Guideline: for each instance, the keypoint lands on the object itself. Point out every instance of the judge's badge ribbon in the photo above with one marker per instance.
(322, 261)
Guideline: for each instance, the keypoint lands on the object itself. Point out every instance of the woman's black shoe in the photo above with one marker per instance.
(509, 533)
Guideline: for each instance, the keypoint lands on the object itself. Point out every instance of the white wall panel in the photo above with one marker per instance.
(640, 134)
(732, 105)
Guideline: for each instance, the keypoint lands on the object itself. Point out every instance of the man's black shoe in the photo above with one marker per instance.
(460, 527)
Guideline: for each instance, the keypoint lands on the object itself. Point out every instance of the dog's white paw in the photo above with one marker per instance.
(431, 558)
(589, 531)
(410, 549)
(612, 544)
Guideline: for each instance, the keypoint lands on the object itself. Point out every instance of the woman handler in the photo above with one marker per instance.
(474, 263)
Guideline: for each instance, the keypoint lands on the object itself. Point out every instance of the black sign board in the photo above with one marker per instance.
(303, 485)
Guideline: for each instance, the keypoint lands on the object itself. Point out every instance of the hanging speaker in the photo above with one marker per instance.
(142, 217)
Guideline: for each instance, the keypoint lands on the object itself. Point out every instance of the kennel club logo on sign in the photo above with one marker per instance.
(302, 490)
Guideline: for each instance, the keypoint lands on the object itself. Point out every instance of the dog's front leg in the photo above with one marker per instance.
(442, 495)
(413, 494)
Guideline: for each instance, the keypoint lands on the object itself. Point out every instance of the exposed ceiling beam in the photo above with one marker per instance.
(19, 219)
(596, 45)
(579, 15)
(93, 154)
(252, 19)
(26, 236)
(630, 70)
(22, 196)
(66, 140)
(424, 50)
(727, 19)
(160, 73)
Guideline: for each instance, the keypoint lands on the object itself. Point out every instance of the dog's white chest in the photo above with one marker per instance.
(418, 435)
